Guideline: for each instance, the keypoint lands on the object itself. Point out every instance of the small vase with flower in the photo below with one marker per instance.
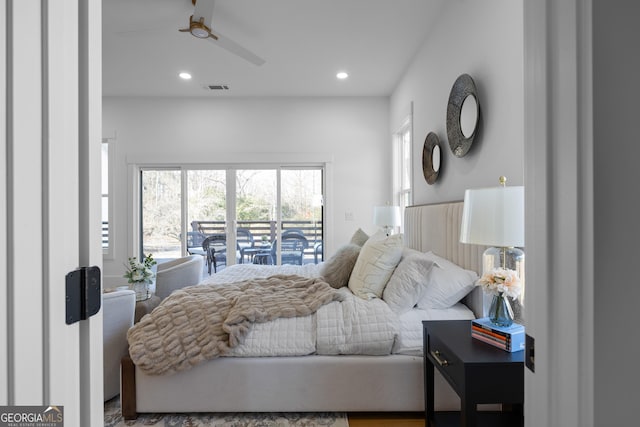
(140, 276)
(503, 284)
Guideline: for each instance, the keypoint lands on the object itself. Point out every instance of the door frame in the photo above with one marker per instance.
(559, 211)
(51, 110)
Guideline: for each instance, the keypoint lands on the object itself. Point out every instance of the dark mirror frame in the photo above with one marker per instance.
(462, 88)
(430, 142)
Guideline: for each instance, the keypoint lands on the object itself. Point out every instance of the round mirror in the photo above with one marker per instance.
(469, 116)
(431, 158)
(463, 115)
(435, 158)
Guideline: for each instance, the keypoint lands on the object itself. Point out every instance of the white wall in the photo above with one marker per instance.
(485, 40)
(616, 211)
(352, 133)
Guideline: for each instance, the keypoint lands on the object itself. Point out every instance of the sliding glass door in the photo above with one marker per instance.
(250, 208)
(256, 213)
(302, 209)
(161, 213)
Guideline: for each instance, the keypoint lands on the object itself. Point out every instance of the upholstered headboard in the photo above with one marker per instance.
(437, 228)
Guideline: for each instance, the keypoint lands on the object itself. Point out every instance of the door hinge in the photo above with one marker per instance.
(83, 295)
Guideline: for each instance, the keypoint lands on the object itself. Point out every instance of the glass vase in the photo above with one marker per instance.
(142, 290)
(500, 312)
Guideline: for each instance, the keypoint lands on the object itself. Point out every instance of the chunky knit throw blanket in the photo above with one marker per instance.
(203, 322)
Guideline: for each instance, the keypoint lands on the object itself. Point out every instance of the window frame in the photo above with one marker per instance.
(108, 251)
(231, 170)
(403, 150)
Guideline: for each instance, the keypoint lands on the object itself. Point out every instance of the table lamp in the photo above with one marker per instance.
(494, 217)
(387, 217)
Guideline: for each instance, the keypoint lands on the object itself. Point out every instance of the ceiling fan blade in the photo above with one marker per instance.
(233, 47)
(142, 32)
(204, 9)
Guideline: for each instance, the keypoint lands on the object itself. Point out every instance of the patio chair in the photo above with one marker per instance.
(318, 252)
(194, 242)
(215, 248)
(244, 239)
(292, 249)
(290, 231)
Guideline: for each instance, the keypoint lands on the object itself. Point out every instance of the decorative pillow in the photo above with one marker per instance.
(448, 283)
(337, 269)
(378, 258)
(407, 283)
(359, 237)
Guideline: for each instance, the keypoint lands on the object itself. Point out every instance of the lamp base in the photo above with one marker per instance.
(510, 258)
(388, 230)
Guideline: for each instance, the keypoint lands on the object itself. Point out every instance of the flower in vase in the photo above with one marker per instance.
(501, 281)
(140, 272)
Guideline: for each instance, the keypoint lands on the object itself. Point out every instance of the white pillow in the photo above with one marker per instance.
(448, 283)
(407, 283)
(378, 258)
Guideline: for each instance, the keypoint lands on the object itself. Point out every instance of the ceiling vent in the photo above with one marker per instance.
(217, 87)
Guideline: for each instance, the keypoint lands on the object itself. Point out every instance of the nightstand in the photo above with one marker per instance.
(477, 372)
(145, 307)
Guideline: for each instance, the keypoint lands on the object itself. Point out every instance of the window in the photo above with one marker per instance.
(107, 151)
(402, 166)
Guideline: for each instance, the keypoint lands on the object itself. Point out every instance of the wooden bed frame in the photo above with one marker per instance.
(315, 383)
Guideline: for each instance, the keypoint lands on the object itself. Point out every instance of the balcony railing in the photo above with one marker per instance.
(105, 234)
(267, 231)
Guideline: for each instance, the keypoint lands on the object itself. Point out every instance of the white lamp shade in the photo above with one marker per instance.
(493, 217)
(386, 216)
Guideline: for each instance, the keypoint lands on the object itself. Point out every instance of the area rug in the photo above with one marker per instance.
(113, 418)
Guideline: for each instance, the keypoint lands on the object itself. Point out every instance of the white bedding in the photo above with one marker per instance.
(237, 272)
(352, 326)
(409, 339)
(294, 336)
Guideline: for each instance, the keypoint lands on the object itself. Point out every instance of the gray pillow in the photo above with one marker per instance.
(337, 269)
(359, 237)
(407, 283)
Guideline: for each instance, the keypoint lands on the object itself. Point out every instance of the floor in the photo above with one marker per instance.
(411, 419)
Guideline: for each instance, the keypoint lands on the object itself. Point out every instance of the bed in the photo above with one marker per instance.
(322, 382)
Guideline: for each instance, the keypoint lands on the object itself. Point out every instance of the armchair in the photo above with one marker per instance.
(117, 317)
(177, 274)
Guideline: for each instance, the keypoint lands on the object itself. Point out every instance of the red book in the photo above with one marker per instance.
(488, 332)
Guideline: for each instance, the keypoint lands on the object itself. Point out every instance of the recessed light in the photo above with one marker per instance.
(185, 75)
(342, 75)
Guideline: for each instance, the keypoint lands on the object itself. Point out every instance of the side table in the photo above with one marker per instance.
(477, 372)
(145, 306)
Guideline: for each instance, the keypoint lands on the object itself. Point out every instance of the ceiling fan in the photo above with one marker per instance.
(200, 27)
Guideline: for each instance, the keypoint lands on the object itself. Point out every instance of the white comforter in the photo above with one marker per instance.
(352, 326)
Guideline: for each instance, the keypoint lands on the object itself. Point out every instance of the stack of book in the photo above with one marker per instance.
(509, 339)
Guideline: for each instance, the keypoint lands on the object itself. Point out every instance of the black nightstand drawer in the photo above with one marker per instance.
(477, 372)
(451, 368)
